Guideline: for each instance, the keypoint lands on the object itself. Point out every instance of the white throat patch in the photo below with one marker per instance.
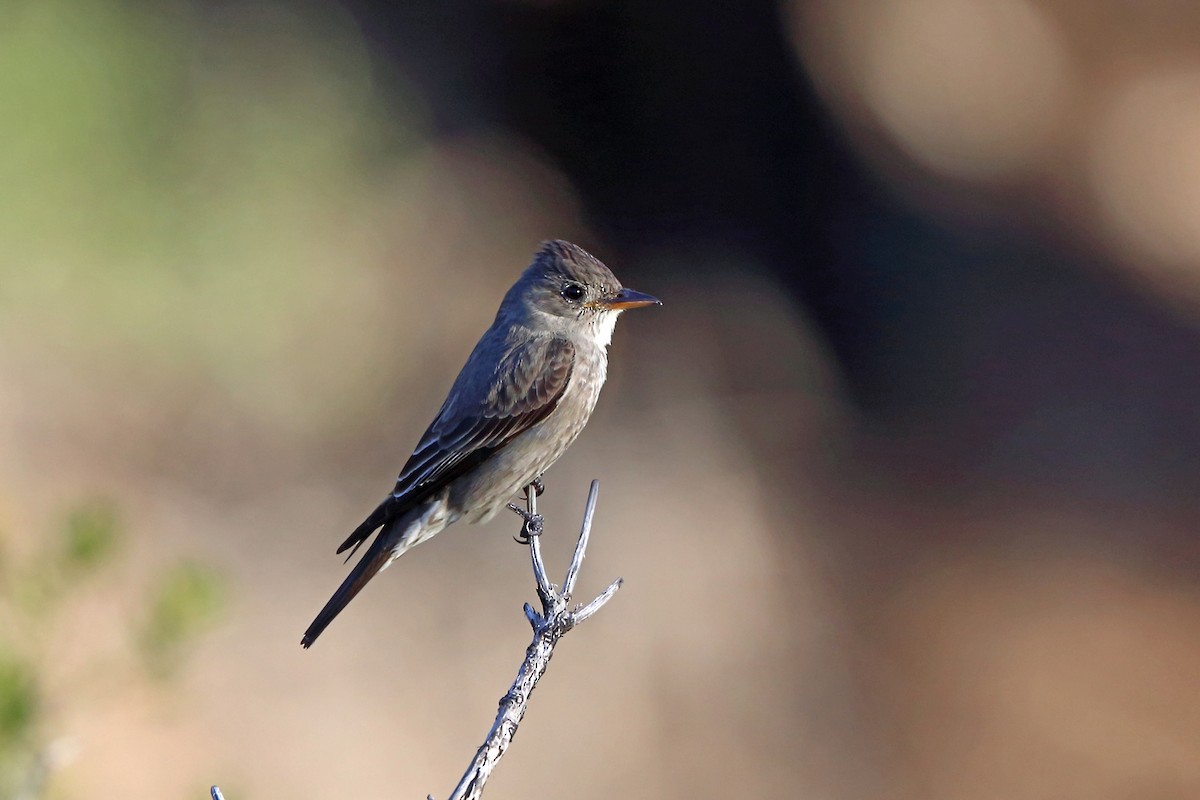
(605, 323)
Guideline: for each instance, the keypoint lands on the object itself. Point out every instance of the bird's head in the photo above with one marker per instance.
(568, 287)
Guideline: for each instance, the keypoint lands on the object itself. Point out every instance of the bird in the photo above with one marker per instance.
(523, 396)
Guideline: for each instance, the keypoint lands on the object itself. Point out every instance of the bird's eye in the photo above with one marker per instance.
(572, 292)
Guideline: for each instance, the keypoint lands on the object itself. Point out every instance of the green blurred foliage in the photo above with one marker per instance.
(87, 541)
(34, 594)
(90, 537)
(175, 183)
(18, 702)
(188, 601)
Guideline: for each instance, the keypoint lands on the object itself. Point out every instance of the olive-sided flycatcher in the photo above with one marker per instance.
(523, 396)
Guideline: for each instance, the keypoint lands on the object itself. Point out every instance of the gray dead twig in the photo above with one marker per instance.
(549, 625)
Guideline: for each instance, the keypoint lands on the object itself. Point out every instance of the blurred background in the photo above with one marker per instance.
(902, 478)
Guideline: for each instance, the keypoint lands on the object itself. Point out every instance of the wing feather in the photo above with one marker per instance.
(478, 419)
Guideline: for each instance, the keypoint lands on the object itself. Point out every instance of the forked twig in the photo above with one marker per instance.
(554, 620)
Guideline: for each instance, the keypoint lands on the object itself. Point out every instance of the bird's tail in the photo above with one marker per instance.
(377, 557)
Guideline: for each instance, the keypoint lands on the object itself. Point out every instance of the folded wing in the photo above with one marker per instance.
(479, 418)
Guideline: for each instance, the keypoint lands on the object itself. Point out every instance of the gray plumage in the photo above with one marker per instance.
(523, 396)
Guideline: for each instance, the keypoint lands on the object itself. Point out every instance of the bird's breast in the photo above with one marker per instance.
(478, 495)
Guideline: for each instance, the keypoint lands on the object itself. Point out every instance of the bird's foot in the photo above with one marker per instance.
(537, 486)
(531, 528)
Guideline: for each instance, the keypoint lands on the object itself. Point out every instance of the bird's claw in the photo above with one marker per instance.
(532, 526)
(537, 486)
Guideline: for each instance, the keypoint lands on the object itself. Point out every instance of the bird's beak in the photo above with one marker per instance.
(628, 298)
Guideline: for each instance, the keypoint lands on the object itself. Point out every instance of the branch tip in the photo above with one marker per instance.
(585, 532)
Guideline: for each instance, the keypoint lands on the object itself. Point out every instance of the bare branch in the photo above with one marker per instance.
(589, 511)
(555, 619)
(583, 613)
(532, 530)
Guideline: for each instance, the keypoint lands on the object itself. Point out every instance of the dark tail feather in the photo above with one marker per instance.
(385, 511)
(368, 567)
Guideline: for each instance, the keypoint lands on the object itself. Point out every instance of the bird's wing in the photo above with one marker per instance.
(479, 418)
